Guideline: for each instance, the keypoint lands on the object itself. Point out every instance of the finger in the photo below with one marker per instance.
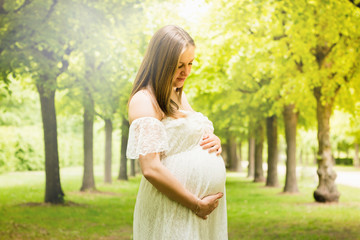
(208, 145)
(213, 149)
(203, 142)
(202, 216)
(219, 151)
(206, 136)
(215, 197)
(219, 195)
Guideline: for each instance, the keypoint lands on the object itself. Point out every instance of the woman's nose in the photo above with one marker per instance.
(186, 70)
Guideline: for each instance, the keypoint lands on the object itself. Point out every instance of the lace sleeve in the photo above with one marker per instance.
(146, 135)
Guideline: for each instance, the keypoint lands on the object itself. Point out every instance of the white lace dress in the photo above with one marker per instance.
(202, 173)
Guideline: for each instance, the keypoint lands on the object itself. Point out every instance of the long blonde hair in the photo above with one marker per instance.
(159, 65)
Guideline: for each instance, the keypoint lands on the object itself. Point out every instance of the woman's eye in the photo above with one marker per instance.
(190, 63)
(180, 66)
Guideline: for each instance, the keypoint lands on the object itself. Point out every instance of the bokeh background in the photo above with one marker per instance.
(279, 79)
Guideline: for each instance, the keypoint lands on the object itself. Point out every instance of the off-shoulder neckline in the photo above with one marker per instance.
(181, 110)
(142, 118)
(160, 120)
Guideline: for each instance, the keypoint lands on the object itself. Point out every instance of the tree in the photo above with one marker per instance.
(103, 65)
(259, 142)
(271, 131)
(356, 133)
(239, 166)
(232, 157)
(290, 119)
(123, 159)
(327, 58)
(252, 57)
(38, 46)
(251, 157)
(108, 150)
(88, 182)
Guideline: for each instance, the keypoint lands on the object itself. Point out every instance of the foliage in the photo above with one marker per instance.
(21, 107)
(344, 161)
(21, 149)
(253, 57)
(343, 132)
(355, 123)
(278, 51)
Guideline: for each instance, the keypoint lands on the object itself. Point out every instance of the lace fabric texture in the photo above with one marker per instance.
(146, 135)
(202, 173)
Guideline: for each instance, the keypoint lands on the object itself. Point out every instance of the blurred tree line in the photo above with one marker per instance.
(264, 70)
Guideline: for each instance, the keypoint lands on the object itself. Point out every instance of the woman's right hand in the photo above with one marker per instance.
(207, 204)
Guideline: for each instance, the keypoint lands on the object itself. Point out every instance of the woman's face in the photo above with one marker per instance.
(184, 66)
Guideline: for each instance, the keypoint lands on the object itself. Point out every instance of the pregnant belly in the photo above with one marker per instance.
(200, 172)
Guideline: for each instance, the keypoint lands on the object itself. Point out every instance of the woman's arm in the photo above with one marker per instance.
(162, 179)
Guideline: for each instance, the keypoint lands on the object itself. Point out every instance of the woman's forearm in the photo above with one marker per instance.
(164, 181)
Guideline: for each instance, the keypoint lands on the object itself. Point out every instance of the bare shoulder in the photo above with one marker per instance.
(142, 105)
(185, 103)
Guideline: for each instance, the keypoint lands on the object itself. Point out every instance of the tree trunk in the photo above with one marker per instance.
(224, 154)
(271, 130)
(227, 150)
(251, 157)
(124, 139)
(53, 190)
(239, 166)
(356, 157)
(290, 120)
(108, 150)
(88, 177)
(132, 168)
(259, 143)
(326, 190)
(232, 158)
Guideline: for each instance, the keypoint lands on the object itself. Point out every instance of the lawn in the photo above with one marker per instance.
(254, 211)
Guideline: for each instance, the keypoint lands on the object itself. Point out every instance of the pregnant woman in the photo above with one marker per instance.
(182, 192)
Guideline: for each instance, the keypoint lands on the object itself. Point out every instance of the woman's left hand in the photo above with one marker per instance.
(211, 142)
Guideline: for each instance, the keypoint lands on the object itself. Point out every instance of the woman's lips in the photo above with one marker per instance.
(181, 79)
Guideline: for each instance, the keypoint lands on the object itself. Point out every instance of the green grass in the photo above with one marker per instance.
(254, 211)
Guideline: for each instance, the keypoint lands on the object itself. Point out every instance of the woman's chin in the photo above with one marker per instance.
(179, 84)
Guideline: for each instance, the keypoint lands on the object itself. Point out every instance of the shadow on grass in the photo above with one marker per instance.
(43, 204)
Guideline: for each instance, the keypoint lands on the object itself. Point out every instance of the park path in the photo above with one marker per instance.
(344, 177)
(348, 178)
